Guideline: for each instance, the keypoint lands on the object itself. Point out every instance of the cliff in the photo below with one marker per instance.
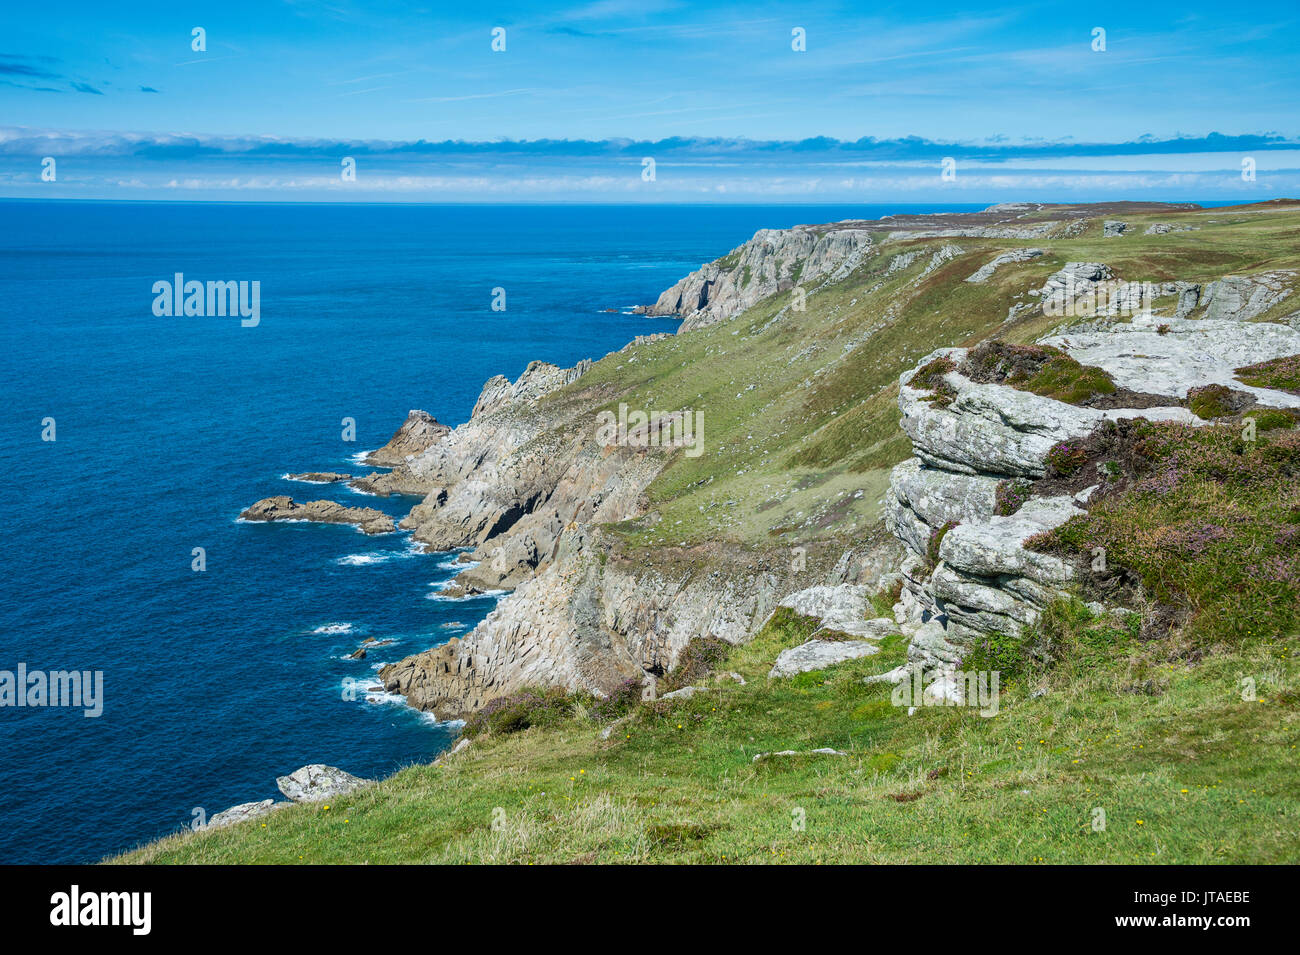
(619, 550)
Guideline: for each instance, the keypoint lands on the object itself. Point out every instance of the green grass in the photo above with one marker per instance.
(1184, 769)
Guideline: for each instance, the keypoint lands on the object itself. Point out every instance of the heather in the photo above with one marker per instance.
(1280, 373)
(1207, 522)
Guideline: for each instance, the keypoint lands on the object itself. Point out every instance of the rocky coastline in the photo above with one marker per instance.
(529, 491)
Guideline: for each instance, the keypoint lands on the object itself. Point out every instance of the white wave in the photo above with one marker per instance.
(452, 565)
(335, 628)
(380, 556)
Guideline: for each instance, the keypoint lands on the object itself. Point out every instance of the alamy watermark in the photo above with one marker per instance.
(211, 299)
(977, 689)
(640, 429)
(82, 689)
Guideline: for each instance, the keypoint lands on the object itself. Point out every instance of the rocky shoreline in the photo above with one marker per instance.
(528, 490)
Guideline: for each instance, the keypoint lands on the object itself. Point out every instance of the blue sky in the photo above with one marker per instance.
(1017, 95)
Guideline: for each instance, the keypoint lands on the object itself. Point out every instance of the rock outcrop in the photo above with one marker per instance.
(242, 812)
(284, 508)
(318, 782)
(774, 260)
(419, 432)
(985, 272)
(1246, 297)
(819, 654)
(844, 608)
(319, 477)
(980, 579)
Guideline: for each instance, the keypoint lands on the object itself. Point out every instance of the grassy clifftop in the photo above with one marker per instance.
(1168, 760)
(1107, 746)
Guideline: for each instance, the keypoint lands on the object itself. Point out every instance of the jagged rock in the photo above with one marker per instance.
(824, 751)
(772, 261)
(317, 782)
(400, 480)
(245, 810)
(283, 508)
(539, 378)
(418, 432)
(1113, 227)
(819, 654)
(319, 477)
(585, 625)
(985, 272)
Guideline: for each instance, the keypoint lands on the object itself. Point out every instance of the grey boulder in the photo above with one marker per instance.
(318, 782)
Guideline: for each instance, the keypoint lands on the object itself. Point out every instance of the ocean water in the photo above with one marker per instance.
(216, 682)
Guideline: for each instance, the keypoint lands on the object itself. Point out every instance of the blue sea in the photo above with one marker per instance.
(216, 682)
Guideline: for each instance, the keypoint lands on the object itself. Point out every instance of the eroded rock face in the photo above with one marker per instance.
(584, 624)
(772, 261)
(318, 782)
(419, 432)
(284, 508)
(1244, 297)
(984, 581)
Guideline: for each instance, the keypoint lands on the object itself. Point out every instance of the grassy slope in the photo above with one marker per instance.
(1192, 773)
(799, 415)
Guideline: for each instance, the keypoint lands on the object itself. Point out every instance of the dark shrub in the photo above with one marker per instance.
(697, 660)
(1064, 459)
(520, 711)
